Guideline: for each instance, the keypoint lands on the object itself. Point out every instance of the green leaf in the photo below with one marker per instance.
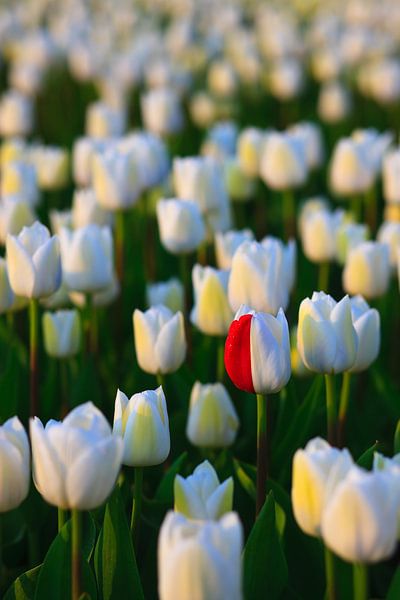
(114, 558)
(394, 590)
(165, 490)
(265, 568)
(24, 586)
(366, 459)
(245, 479)
(54, 579)
(396, 441)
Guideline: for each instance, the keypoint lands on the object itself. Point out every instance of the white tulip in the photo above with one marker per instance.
(350, 170)
(180, 224)
(16, 114)
(226, 245)
(366, 323)
(367, 270)
(283, 162)
(211, 313)
(161, 111)
(103, 121)
(14, 215)
(389, 234)
(115, 178)
(170, 293)
(86, 210)
(61, 333)
(391, 176)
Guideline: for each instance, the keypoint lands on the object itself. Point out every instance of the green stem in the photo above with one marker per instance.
(360, 582)
(76, 519)
(91, 325)
(185, 278)
(136, 504)
(262, 451)
(34, 356)
(289, 214)
(202, 254)
(330, 408)
(323, 277)
(119, 244)
(62, 518)
(161, 380)
(221, 359)
(330, 574)
(64, 387)
(10, 320)
(355, 207)
(343, 406)
(371, 209)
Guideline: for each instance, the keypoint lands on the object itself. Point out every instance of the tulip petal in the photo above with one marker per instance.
(21, 272)
(237, 353)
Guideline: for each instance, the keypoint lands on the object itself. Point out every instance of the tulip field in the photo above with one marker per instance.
(199, 300)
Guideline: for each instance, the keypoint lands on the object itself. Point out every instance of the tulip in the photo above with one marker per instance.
(61, 333)
(60, 219)
(6, 293)
(211, 312)
(161, 111)
(359, 520)
(82, 154)
(200, 560)
(12, 149)
(221, 79)
(16, 114)
(159, 339)
(180, 225)
(249, 147)
(316, 471)
(391, 176)
(201, 496)
(366, 322)
(212, 419)
(310, 207)
(283, 165)
(154, 159)
(240, 187)
(86, 210)
(115, 179)
(14, 215)
(103, 121)
(349, 236)
(87, 257)
(33, 260)
(287, 257)
(169, 293)
(19, 181)
(319, 235)
(367, 270)
(75, 461)
(104, 297)
(389, 234)
(52, 166)
(226, 245)
(202, 109)
(142, 423)
(286, 78)
(221, 140)
(256, 278)
(309, 135)
(334, 102)
(14, 464)
(350, 172)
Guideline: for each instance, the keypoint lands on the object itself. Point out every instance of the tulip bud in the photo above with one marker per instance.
(87, 211)
(200, 555)
(52, 166)
(283, 164)
(309, 135)
(240, 187)
(256, 278)
(349, 236)
(367, 270)
(202, 109)
(14, 464)
(180, 225)
(226, 245)
(319, 235)
(391, 176)
(389, 234)
(14, 215)
(286, 78)
(142, 423)
(334, 102)
(350, 171)
(169, 293)
(212, 420)
(249, 147)
(16, 114)
(211, 312)
(18, 180)
(221, 79)
(82, 154)
(115, 178)
(326, 337)
(76, 461)
(154, 159)
(103, 121)
(33, 261)
(200, 179)
(87, 258)
(62, 333)
(201, 496)
(316, 471)
(366, 323)
(359, 520)
(159, 339)
(257, 351)
(161, 111)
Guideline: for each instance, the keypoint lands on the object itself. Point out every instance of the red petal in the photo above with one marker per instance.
(238, 355)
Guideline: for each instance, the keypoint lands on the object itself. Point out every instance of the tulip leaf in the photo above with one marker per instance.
(394, 590)
(264, 562)
(165, 490)
(366, 459)
(54, 579)
(24, 586)
(396, 441)
(246, 480)
(114, 558)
